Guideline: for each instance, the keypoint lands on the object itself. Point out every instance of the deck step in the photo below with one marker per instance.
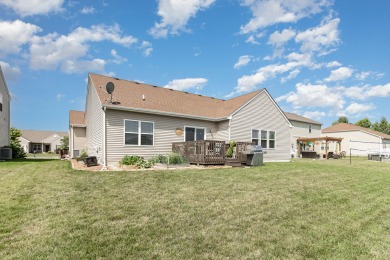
(233, 162)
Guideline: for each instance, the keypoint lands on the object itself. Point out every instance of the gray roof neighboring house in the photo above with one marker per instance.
(36, 136)
(296, 117)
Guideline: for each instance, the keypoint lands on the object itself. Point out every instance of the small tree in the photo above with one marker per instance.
(365, 122)
(17, 149)
(342, 119)
(64, 143)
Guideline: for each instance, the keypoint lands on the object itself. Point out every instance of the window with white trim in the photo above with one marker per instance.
(309, 128)
(271, 139)
(264, 139)
(139, 132)
(194, 134)
(255, 136)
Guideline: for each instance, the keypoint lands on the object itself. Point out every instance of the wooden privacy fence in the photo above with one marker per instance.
(209, 151)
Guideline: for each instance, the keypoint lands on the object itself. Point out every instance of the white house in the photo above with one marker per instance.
(361, 140)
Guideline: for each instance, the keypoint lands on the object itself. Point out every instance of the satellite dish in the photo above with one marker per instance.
(110, 87)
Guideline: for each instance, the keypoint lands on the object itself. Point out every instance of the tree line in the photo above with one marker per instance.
(382, 125)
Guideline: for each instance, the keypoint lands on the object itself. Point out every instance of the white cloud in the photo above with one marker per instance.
(340, 74)
(117, 58)
(66, 50)
(308, 95)
(175, 15)
(379, 91)
(316, 115)
(188, 83)
(321, 37)
(243, 61)
(33, 7)
(60, 96)
(251, 39)
(356, 92)
(147, 48)
(13, 35)
(333, 64)
(356, 108)
(10, 73)
(87, 10)
(81, 66)
(293, 74)
(278, 39)
(362, 75)
(270, 12)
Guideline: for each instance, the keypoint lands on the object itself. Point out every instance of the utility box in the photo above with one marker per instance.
(90, 161)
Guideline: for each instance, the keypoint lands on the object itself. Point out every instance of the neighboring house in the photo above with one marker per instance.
(5, 100)
(363, 139)
(77, 133)
(304, 127)
(41, 141)
(145, 120)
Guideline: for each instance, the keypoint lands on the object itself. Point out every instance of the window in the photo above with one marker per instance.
(264, 139)
(271, 139)
(37, 147)
(194, 134)
(255, 136)
(309, 128)
(139, 132)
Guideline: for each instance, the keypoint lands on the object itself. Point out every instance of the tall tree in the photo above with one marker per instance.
(365, 122)
(17, 149)
(342, 119)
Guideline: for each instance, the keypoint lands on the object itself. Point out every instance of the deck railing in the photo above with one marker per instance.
(209, 151)
(201, 152)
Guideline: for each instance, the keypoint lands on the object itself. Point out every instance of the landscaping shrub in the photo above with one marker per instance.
(174, 158)
(82, 156)
(136, 160)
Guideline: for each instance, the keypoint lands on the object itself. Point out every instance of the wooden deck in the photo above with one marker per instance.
(211, 152)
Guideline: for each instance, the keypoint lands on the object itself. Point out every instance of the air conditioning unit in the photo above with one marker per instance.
(5, 153)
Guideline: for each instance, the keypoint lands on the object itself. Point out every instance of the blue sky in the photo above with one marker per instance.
(318, 58)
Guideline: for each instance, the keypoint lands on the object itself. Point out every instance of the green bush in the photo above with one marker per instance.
(136, 160)
(229, 152)
(172, 158)
(82, 156)
(175, 158)
(159, 159)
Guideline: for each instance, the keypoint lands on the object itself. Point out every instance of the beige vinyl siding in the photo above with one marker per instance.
(164, 133)
(223, 131)
(94, 120)
(262, 114)
(301, 129)
(5, 113)
(79, 139)
(355, 136)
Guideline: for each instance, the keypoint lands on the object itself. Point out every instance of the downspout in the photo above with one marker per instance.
(104, 140)
(230, 125)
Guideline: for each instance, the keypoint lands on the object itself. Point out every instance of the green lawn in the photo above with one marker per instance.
(304, 209)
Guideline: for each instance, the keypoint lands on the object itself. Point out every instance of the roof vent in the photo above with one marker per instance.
(117, 78)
